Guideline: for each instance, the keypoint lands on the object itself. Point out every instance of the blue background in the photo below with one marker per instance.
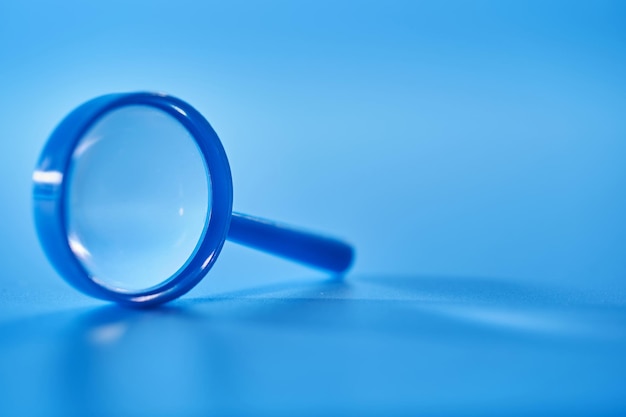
(473, 152)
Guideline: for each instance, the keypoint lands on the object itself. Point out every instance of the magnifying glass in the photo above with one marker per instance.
(133, 202)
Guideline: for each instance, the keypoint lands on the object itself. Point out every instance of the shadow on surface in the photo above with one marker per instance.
(364, 346)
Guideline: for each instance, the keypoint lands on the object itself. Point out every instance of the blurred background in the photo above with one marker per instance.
(466, 140)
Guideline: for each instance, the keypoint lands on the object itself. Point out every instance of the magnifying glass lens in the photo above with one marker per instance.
(138, 198)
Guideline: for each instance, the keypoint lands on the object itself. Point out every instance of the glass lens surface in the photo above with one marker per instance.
(137, 198)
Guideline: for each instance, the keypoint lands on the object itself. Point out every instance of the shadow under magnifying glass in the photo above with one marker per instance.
(184, 356)
(133, 362)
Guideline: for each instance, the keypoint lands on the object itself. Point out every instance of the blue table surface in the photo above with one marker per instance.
(473, 153)
(366, 345)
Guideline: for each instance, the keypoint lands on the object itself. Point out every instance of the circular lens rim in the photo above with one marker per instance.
(50, 189)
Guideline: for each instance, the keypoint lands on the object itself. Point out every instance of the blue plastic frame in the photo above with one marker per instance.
(49, 208)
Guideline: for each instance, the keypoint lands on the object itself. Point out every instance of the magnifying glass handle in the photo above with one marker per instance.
(309, 248)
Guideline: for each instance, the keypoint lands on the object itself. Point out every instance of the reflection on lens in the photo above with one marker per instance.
(137, 198)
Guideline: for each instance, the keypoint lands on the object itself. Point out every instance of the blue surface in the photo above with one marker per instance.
(473, 153)
(383, 345)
